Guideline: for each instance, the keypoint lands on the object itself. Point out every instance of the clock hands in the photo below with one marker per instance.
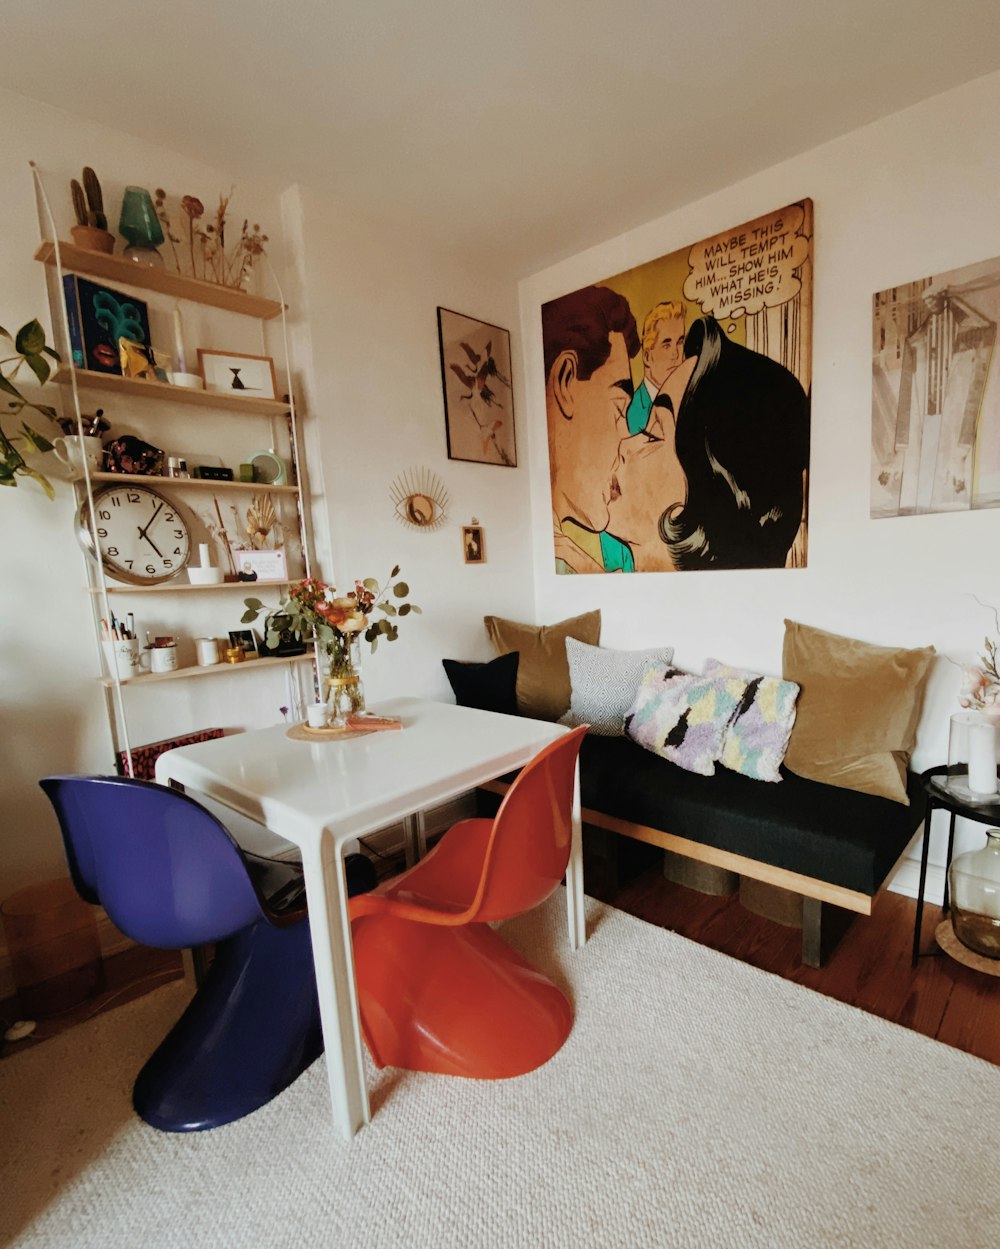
(143, 531)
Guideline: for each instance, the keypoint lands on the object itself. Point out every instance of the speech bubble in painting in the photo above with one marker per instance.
(743, 271)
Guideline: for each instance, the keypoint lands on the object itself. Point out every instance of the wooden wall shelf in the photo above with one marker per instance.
(150, 278)
(171, 587)
(193, 483)
(211, 670)
(89, 379)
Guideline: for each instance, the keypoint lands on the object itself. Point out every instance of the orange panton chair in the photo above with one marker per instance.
(438, 990)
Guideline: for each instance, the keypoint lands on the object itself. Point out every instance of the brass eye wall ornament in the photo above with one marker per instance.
(420, 499)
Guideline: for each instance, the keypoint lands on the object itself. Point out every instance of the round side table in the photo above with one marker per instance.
(948, 793)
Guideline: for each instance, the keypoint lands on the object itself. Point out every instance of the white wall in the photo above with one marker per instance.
(912, 195)
(369, 295)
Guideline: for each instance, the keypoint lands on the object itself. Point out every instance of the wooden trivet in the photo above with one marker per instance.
(304, 733)
(944, 935)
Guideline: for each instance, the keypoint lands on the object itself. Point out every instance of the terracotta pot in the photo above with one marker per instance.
(93, 239)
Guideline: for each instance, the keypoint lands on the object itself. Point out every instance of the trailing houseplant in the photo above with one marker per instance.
(31, 350)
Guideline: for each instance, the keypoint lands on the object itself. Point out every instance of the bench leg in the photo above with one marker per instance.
(812, 937)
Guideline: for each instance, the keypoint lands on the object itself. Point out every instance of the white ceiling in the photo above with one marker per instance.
(525, 128)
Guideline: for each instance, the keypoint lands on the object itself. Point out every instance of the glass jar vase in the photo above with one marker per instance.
(974, 887)
(344, 686)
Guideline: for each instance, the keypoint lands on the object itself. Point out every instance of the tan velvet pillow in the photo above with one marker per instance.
(857, 714)
(543, 686)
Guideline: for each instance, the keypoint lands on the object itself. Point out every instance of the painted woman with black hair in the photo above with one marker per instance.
(717, 478)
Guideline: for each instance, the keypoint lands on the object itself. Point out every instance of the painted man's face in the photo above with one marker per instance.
(588, 441)
(660, 360)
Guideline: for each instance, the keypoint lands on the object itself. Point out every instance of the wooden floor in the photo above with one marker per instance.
(868, 967)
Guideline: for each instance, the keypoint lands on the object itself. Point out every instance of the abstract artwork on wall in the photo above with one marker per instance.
(936, 395)
(478, 399)
(677, 404)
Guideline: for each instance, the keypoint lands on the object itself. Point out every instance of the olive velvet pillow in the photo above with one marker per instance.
(857, 713)
(543, 686)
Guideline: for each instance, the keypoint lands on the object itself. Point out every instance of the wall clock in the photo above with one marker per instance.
(142, 537)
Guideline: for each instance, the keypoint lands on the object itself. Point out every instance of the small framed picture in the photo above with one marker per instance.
(478, 399)
(473, 546)
(228, 372)
(260, 565)
(247, 639)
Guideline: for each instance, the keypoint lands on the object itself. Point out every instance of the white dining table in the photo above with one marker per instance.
(322, 794)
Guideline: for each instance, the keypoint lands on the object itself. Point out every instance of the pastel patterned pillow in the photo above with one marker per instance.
(681, 717)
(603, 684)
(756, 737)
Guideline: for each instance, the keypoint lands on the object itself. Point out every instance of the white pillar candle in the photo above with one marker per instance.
(204, 558)
(982, 757)
(180, 363)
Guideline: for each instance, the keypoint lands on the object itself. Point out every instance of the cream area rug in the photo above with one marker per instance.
(698, 1103)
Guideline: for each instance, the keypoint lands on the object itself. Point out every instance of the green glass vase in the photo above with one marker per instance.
(141, 227)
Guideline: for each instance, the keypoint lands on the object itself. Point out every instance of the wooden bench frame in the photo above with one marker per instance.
(814, 893)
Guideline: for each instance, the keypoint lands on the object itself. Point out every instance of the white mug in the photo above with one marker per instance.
(160, 658)
(124, 654)
(317, 714)
(68, 451)
(207, 650)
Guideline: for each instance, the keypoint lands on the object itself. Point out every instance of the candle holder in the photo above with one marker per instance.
(972, 755)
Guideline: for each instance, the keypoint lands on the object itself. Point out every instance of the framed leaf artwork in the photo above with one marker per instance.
(478, 399)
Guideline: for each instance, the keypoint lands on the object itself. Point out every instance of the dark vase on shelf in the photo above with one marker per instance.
(974, 888)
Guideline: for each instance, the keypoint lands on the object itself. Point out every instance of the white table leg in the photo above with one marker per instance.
(574, 874)
(329, 923)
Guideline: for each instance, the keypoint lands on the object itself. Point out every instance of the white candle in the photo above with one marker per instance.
(180, 364)
(982, 757)
(204, 558)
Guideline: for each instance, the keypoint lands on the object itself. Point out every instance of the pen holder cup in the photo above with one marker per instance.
(123, 656)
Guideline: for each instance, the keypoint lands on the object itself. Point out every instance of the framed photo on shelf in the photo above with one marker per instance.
(247, 639)
(473, 545)
(260, 565)
(478, 400)
(230, 373)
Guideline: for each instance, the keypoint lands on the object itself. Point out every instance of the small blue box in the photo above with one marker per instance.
(98, 317)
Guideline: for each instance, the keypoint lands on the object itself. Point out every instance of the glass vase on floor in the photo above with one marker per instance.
(345, 688)
(974, 887)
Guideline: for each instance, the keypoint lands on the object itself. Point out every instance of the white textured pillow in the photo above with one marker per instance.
(604, 684)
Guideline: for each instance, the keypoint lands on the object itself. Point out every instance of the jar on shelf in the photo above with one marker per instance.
(974, 888)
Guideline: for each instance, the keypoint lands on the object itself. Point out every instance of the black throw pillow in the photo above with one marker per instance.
(490, 686)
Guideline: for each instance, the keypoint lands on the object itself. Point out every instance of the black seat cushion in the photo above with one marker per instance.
(834, 835)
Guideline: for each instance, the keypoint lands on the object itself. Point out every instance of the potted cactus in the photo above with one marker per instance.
(91, 229)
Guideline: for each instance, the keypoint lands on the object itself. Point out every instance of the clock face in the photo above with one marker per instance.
(142, 536)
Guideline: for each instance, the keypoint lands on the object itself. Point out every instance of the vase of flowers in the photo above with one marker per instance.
(312, 611)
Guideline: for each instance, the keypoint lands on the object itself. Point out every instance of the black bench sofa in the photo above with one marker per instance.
(832, 846)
